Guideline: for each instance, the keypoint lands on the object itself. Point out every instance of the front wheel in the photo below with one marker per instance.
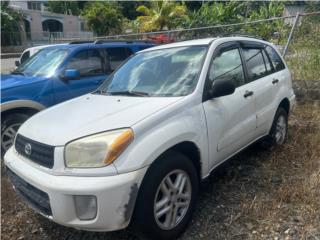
(167, 197)
(10, 125)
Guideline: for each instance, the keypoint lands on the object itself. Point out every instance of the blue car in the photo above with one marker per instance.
(56, 74)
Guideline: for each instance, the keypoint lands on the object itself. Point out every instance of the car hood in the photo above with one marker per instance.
(12, 80)
(90, 114)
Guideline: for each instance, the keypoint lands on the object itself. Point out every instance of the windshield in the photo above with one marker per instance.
(165, 72)
(43, 63)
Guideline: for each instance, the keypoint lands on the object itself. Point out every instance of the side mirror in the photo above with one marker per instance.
(71, 74)
(222, 87)
(17, 63)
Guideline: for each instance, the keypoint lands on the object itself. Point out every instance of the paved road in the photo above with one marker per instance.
(7, 65)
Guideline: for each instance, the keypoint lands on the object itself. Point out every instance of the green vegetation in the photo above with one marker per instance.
(161, 15)
(103, 17)
(265, 11)
(65, 7)
(11, 26)
(141, 16)
(304, 52)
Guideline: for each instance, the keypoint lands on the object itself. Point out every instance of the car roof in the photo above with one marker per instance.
(75, 45)
(204, 41)
(43, 46)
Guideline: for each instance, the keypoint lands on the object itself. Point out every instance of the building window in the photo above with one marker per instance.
(84, 26)
(34, 5)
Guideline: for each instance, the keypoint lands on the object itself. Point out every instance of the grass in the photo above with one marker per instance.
(304, 54)
(304, 61)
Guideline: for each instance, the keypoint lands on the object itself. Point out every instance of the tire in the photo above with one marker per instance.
(279, 129)
(144, 222)
(10, 125)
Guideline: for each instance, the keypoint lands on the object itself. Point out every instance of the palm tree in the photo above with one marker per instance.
(161, 15)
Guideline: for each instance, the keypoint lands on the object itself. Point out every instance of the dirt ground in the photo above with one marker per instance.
(259, 194)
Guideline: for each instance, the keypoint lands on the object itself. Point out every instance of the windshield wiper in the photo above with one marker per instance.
(18, 73)
(100, 91)
(130, 93)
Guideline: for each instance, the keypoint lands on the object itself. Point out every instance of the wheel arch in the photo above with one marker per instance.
(20, 106)
(285, 104)
(188, 149)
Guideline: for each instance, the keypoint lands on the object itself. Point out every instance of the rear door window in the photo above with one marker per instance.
(117, 55)
(88, 62)
(255, 63)
(275, 59)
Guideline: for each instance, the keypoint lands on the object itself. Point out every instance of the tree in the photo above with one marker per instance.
(103, 17)
(160, 15)
(64, 7)
(210, 14)
(12, 28)
(128, 8)
(266, 10)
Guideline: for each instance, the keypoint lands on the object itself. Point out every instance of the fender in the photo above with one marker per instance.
(21, 104)
(186, 126)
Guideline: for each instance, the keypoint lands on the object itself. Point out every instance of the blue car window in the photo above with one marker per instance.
(88, 62)
(117, 55)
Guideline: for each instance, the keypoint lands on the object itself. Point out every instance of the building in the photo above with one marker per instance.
(291, 9)
(43, 26)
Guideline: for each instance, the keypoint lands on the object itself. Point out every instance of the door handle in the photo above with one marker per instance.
(274, 81)
(248, 93)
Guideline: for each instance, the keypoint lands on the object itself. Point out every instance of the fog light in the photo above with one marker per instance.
(86, 206)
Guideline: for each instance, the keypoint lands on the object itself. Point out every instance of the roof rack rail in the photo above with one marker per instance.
(100, 41)
(248, 35)
(82, 42)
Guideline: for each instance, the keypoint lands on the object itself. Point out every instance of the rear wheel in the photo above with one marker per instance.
(10, 125)
(166, 198)
(279, 130)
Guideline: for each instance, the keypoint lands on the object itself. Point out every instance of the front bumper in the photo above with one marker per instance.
(115, 195)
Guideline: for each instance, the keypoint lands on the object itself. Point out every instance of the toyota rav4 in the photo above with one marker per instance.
(135, 150)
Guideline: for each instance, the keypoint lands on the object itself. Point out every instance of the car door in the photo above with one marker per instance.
(263, 82)
(230, 119)
(92, 68)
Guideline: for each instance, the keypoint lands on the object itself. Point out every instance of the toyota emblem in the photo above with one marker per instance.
(28, 149)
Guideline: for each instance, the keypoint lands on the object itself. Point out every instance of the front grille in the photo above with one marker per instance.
(38, 199)
(37, 152)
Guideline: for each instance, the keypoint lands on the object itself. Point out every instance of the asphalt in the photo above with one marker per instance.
(7, 65)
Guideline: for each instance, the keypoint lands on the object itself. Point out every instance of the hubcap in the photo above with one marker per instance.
(281, 130)
(172, 199)
(8, 136)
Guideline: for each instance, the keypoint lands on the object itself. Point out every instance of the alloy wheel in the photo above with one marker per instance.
(172, 199)
(281, 130)
(8, 136)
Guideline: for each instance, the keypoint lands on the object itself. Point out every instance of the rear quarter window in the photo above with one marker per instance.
(117, 55)
(277, 63)
(25, 56)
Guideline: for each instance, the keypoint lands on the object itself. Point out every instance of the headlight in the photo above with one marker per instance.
(97, 150)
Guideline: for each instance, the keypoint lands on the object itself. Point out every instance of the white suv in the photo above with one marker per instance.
(135, 150)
